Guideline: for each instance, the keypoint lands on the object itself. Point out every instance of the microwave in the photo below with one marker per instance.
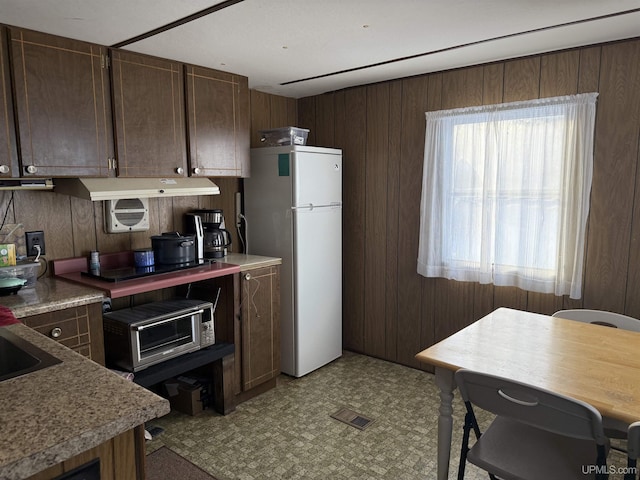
(138, 337)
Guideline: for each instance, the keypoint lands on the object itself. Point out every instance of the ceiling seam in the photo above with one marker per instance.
(177, 23)
(464, 45)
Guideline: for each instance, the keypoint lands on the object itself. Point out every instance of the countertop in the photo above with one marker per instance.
(50, 294)
(55, 413)
(248, 262)
(71, 269)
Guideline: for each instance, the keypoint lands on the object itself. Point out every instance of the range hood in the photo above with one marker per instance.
(117, 188)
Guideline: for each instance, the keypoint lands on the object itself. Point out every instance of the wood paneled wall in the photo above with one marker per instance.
(390, 311)
(73, 227)
(270, 111)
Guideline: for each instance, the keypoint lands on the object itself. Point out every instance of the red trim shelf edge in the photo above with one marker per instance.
(69, 269)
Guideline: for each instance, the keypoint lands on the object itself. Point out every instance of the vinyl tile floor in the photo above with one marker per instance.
(288, 432)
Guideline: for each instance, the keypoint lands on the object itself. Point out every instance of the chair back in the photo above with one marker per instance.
(600, 317)
(525, 403)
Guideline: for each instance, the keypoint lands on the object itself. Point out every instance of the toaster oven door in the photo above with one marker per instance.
(165, 338)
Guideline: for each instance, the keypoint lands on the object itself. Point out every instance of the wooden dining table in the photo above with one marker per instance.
(596, 364)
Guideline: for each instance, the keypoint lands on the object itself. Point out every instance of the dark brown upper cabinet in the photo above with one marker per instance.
(63, 105)
(148, 109)
(8, 150)
(217, 122)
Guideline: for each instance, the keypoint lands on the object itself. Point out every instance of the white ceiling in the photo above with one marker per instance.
(277, 41)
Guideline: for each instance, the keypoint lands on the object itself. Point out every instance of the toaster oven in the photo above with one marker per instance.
(138, 337)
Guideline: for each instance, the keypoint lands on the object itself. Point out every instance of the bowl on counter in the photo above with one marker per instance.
(10, 286)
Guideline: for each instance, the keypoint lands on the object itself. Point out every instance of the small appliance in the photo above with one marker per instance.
(194, 225)
(141, 336)
(216, 239)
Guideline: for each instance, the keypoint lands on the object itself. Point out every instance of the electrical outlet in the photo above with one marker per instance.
(33, 239)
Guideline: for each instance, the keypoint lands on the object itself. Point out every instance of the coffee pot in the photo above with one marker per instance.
(216, 242)
(216, 239)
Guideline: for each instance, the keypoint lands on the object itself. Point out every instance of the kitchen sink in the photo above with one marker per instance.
(19, 357)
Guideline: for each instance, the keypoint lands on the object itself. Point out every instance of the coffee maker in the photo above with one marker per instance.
(215, 239)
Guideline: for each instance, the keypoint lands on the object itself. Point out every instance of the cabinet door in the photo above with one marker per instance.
(218, 122)
(8, 150)
(148, 109)
(260, 325)
(63, 105)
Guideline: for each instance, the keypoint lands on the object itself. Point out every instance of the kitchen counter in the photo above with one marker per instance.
(50, 294)
(248, 262)
(55, 413)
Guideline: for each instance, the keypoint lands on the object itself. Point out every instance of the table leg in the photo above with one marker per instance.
(446, 384)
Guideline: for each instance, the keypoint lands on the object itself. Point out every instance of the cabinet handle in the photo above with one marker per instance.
(31, 169)
(4, 168)
(247, 276)
(197, 171)
(56, 332)
(179, 170)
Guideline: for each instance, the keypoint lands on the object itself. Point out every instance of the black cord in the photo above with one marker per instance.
(46, 267)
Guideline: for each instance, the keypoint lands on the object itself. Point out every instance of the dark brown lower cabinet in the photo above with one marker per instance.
(248, 315)
(121, 457)
(260, 325)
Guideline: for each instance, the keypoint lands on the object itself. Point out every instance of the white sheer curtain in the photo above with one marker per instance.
(505, 193)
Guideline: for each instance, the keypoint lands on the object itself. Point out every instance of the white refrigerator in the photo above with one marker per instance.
(293, 210)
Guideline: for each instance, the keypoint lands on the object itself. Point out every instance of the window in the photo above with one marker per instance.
(505, 193)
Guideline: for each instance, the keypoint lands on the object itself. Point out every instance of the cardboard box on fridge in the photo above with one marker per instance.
(184, 395)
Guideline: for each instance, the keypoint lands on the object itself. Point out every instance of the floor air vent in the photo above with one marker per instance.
(352, 418)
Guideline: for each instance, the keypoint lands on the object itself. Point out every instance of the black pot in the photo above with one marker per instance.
(172, 248)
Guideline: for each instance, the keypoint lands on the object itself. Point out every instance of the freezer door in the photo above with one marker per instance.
(317, 287)
(317, 178)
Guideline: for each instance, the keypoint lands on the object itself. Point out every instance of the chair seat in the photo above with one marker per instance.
(511, 450)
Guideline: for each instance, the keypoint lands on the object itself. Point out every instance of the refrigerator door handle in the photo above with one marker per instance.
(311, 206)
(305, 207)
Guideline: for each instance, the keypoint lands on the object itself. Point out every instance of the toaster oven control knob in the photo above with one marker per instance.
(4, 168)
(56, 332)
(31, 169)
(197, 171)
(179, 170)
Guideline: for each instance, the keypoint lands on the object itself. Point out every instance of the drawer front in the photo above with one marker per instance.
(70, 327)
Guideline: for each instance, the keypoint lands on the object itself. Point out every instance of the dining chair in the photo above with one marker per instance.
(536, 433)
(633, 451)
(612, 428)
(600, 317)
